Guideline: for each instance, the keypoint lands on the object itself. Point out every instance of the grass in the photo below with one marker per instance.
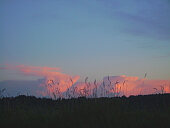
(118, 112)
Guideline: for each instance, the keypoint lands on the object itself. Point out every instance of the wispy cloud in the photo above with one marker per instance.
(142, 18)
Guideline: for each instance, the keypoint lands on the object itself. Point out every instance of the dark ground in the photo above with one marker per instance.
(150, 111)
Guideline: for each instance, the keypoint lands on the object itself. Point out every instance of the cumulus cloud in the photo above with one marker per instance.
(126, 85)
(58, 84)
(121, 85)
(53, 78)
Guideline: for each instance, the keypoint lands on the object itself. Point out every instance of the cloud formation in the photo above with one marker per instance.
(136, 86)
(53, 78)
(58, 84)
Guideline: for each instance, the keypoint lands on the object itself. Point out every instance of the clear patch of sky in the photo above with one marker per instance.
(88, 38)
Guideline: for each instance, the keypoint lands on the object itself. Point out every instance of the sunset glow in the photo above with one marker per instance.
(55, 45)
(85, 63)
(65, 86)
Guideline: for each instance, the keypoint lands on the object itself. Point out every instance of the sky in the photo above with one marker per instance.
(53, 81)
(93, 38)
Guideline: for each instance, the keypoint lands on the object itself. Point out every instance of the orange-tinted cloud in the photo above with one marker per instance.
(63, 85)
(54, 79)
(135, 86)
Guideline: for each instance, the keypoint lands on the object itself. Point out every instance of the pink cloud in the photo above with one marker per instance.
(135, 86)
(60, 84)
(53, 76)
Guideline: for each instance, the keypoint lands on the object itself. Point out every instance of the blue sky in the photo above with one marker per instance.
(92, 38)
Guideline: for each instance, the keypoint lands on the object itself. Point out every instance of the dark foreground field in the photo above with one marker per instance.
(152, 111)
